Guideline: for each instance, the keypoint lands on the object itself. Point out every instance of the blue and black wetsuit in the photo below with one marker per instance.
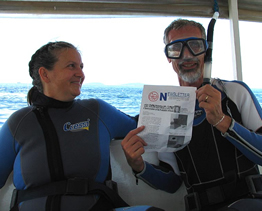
(215, 165)
(54, 141)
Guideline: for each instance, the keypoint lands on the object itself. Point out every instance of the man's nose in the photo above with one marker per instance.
(187, 53)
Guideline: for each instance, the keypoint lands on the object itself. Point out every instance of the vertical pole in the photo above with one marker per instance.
(234, 26)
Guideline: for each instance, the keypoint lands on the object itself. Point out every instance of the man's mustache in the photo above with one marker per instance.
(192, 60)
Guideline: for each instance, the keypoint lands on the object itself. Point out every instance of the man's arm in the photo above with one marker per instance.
(247, 136)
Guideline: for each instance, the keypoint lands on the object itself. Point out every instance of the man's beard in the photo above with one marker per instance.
(192, 75)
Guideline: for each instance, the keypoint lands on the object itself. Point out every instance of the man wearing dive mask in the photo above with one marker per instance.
(222, 158)
(185, 52)
(195, 45)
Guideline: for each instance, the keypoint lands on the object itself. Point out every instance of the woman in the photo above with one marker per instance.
(58, 147)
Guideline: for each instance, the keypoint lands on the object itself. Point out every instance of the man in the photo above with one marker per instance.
(226, 144)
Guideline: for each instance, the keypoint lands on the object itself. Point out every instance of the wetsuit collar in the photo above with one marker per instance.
(39, 99)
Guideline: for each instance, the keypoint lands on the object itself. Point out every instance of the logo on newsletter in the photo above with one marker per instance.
(153, 96)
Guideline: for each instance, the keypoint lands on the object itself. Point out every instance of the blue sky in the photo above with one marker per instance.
(121, 50)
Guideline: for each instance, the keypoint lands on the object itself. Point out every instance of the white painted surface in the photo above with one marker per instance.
(6, 194)
(141, 194)
(234, 28)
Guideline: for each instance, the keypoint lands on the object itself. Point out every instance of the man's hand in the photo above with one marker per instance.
(133, 147)
(210, 99)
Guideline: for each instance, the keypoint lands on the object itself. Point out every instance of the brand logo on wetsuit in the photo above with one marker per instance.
(198, 113)
(77, 126)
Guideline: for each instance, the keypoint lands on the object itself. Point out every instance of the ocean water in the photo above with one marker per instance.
(126, 98)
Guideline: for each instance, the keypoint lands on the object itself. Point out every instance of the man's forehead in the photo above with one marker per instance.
(183, 33)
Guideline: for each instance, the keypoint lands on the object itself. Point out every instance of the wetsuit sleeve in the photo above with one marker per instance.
(117, 122)
(7, 153)
(247, 137)
(165, 176)
(248, 142)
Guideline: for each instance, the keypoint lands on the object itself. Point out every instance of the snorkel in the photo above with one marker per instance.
(208, 56)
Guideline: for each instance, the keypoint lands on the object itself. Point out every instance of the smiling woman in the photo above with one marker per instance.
(56, 70)
(58, 147)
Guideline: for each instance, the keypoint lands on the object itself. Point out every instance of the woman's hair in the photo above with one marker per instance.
(180, 23)
(46, 57)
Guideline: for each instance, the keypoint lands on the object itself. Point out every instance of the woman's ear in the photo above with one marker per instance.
(43, 72)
